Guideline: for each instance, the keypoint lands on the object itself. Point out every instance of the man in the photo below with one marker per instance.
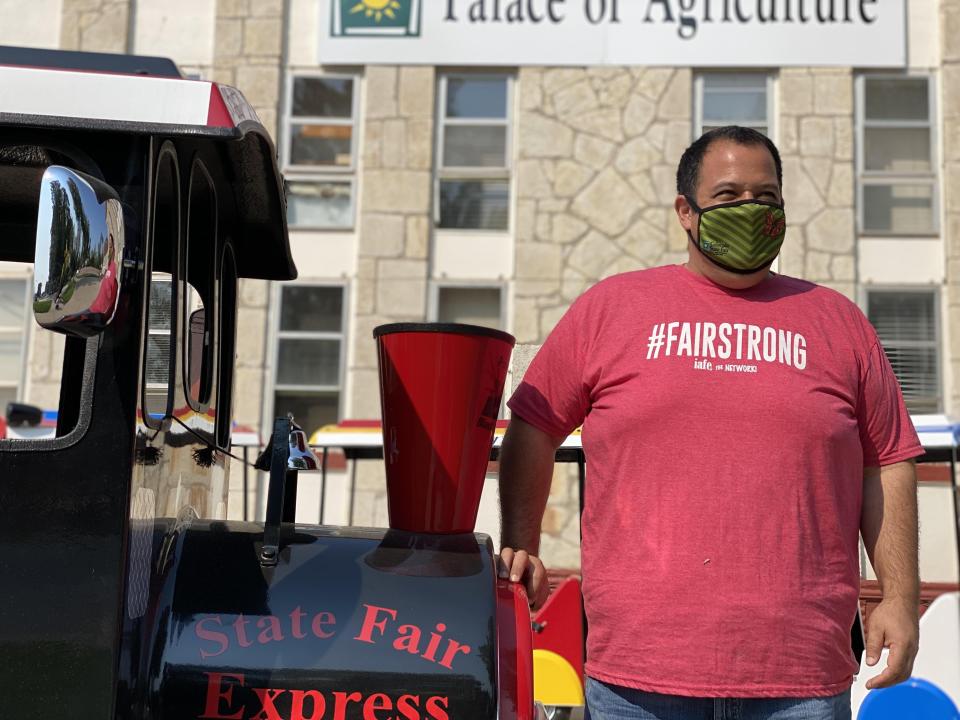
(740, 427)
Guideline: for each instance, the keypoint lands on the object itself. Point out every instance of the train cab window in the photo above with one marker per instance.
(159, 368)
(201, 251)
(228, 331)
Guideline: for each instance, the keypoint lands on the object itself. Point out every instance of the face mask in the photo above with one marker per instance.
(743, 236)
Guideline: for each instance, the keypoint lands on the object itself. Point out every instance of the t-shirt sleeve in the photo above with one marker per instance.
(886, 431)
(554, 395)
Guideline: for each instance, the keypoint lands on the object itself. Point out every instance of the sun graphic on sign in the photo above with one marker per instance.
(376, 8)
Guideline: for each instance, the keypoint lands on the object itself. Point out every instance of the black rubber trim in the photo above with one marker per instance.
(456, 328)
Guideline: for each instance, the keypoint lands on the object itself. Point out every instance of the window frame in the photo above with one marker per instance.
(272, 387)
(24, 335)
(937, 343)
(443, 173)
(883, 178)
(698, 98)
(319, 174)
(433, 299)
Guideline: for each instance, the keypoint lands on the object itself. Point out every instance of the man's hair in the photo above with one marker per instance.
(688, 171)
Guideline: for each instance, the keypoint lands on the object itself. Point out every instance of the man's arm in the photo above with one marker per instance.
(526, 471)
(888, 524)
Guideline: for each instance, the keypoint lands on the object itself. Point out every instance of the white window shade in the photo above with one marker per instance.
(906, 323)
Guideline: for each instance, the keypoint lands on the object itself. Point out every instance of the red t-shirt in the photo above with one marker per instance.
(726, 434)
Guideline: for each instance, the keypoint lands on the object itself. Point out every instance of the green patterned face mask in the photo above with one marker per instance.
(743, 236)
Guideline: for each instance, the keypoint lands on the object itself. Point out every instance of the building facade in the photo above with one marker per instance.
(497, 194)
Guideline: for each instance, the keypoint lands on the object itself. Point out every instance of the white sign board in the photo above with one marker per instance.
(702, 33)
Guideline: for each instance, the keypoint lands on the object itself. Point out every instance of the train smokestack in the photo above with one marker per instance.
(440, 392)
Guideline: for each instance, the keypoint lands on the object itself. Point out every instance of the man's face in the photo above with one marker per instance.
(729, 172)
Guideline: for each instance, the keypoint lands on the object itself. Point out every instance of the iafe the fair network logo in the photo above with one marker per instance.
(375, 18)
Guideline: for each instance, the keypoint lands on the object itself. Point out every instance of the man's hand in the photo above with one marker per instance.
(520, 566)
(893, 624)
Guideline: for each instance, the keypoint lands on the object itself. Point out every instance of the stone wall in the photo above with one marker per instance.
(950, 192)
(393, 240)
(95, 25)
(815, 137)
(596, 184)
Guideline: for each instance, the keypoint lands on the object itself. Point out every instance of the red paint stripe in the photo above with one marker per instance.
(217, 113)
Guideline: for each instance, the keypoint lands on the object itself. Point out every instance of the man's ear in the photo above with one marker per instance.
(685, 213)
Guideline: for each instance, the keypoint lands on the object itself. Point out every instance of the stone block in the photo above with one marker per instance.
(107, 31)
(549, 317)
(228, 40)
(608, 203)
(819, 169)
(526, 219)
(364, 348)
(575, 100)
(373, 145)
(621, 264)
(796, 92)
(592, 254)
(665, 183)
(604, 123)
(570, 177)
(381, 82)
(416, 91)
(592, 152)
(816, 137)
(364, 401)
(538, 261)
(792, 255)
(803, 198)
(364, 289)
(254, 293)
(233, 8)
(417, 244)
(842, 268)
(638, 115)
(251, 333)
(832, 231)
(538, 289)
(530, 89)
(644, 186)
(573, 284)
(555, 79)
(541, 137)
(544, 228)
(817, 268)
(526, 321)
(677, 139)
(394, 146)
(677, 238)
(833, 94)
(643, 242)
(657, 135)
(532, 182)
(225, 75)
(419, 143)
(266, 8)
(381, 235)
(789, 135)
(248, 394)
(615, 91)
(843, 138)
(653, 81)
(262, 36)
(675, 102)
(840, 193)
(402, 298)
(567, 228)
(260, 84)
(523, 354)
(405, 191)
(951, 90)
(552, 206)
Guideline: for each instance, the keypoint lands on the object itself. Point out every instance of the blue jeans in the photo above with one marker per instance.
(613, 702)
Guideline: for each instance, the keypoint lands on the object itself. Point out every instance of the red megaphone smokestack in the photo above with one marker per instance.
(440, 390)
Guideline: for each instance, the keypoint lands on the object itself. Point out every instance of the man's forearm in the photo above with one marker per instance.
(526, 470)
(889, 528)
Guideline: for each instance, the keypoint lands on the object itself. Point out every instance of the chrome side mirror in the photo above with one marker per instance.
(79, 253)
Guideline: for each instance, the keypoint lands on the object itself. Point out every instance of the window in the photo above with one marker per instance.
(728, 99)
(200, 287)
(469, 304)
(473, 154)
(320, 150)
(896, 159)
(309, 360)
(13, 311)
(906, 322)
